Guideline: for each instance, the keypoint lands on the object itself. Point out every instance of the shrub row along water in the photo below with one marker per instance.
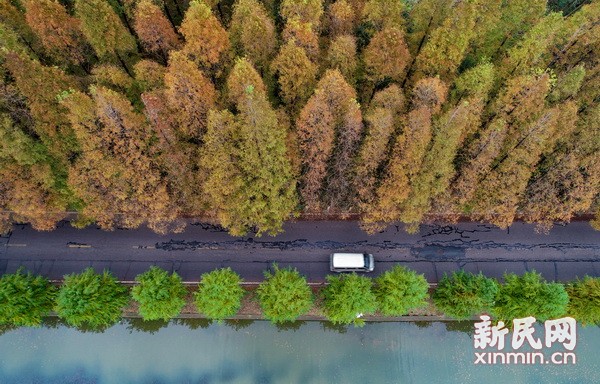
(96, 300)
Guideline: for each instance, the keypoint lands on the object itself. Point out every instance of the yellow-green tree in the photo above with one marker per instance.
(252, 32)
(105, 31)
(342, 56)
(515, 18)
(384, 13)
(447, 45)
(308, 11)
(296, 74)
(14, 20)
(249, 183)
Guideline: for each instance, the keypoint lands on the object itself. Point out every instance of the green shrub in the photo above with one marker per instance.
(346, 297)
(25, 299)
(219, 294)
(464, 294)
(399, 290)
(584, 300)
(91, 300)
(530, 295)
(160, 295)
(284, 295)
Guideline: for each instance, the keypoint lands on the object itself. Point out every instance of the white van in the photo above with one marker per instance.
(351, 262)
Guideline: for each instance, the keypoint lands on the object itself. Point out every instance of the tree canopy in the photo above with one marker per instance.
(249, 112)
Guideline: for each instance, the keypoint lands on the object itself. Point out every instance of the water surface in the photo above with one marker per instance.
(258, 352)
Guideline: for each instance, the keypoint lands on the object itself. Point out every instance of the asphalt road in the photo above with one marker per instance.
(565, 253)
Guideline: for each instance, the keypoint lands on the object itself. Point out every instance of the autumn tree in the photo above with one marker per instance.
(190, 94)
(149, 74)
(304, 36)
(59, 32)
(340, 18)
(296, 74)
(386, 56)
(14, 20)
(250, 182)
(477, 161)
(566, 182)
(502, 189)
(449, 132)
(331, 116)
(384, 14)
(175, 154)
(105, 31)
(382, 119)
(41, 85)
(515, 18)
(447, 45)
(252, 32)
(155, 32)
(206, 41)
(115, 177)
(407, 155)
(309, 11)
(342, 56)
(516, 108)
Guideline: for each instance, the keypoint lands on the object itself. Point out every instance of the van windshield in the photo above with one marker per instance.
(366, 260)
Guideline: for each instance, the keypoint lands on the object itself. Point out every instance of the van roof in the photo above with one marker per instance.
(348, 260)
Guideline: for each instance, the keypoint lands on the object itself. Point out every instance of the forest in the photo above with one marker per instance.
(253, 112)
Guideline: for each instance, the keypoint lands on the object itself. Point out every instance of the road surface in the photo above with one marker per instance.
(565, 253)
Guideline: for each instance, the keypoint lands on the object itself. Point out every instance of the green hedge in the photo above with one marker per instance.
(284, 295)
(160, 295)
(89, 299)
(25, 299)
(96, 301)
(530, 295)
(219, 294)
(584, 300)
(463, 294)
(347, 297)
(399, 290)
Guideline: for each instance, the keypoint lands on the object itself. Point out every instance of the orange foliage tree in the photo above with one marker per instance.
(58, 31)
(189, 93)
(206, 41)
(330, 123)
(154, 30)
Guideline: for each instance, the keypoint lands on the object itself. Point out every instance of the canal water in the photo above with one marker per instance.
(258, 352)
